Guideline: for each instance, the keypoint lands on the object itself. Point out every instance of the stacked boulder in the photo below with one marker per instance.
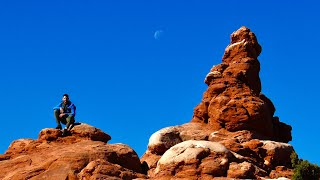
(233, 132)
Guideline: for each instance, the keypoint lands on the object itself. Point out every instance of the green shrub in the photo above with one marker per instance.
(303, 169)
(294, 159)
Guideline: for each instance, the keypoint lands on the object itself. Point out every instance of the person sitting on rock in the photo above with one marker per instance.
(65, 113)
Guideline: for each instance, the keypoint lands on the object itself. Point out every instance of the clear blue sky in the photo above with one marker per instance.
(129, 84)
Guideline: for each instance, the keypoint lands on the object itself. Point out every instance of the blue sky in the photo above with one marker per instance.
(129, 84)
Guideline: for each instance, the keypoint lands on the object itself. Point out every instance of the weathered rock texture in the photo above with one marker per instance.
(233, 100)
(83, 155)
(233, 132)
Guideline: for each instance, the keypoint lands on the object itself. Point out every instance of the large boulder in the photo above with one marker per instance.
(165, 138)
(194, 158)
(82, 155)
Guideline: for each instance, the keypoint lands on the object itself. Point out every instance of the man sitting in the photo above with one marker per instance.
(65, 112)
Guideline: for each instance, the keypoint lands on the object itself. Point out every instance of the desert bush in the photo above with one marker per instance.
(303, 169)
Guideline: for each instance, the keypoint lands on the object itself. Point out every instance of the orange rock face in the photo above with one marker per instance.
(233, 100)
(83, 155)
(233, 132)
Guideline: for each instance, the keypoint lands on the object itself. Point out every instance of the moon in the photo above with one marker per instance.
(158, 34)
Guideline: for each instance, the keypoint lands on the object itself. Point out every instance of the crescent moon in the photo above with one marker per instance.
(158, 34)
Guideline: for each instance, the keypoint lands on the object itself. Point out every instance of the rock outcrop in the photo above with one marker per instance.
(84, 154)
(233, 132)
(233, 100)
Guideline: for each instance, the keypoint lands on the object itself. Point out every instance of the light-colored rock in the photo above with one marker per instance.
(190, 150)
(198, 157)
(277, 153)
(280, 178)
(163, 139)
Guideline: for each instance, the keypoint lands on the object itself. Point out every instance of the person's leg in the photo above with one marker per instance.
(70, 121)
(58, 119)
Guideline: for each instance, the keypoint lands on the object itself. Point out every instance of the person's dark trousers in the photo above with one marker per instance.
(66, 120)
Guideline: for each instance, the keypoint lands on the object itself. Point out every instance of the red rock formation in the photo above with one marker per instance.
(233, 135)
(83, 155)
(233, 132)
(233, 99)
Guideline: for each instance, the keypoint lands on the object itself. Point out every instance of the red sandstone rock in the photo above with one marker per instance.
(281, 171)
(241, 171)
(73, 157)
(277, 153)
(233, 99)
(233, 114)
(233, 134)
(102, 169)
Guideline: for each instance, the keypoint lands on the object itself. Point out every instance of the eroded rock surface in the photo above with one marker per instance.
(84, 154)
(233, 134)
(233, 99)
(233, 114)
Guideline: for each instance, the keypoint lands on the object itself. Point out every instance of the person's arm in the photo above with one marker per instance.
(73, 110)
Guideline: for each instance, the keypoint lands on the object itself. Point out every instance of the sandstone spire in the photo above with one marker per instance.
(233, 132)
(233, 99)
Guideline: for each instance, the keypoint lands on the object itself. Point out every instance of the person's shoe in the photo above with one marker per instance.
(70, 127)
(64, 132)
(59, 127)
